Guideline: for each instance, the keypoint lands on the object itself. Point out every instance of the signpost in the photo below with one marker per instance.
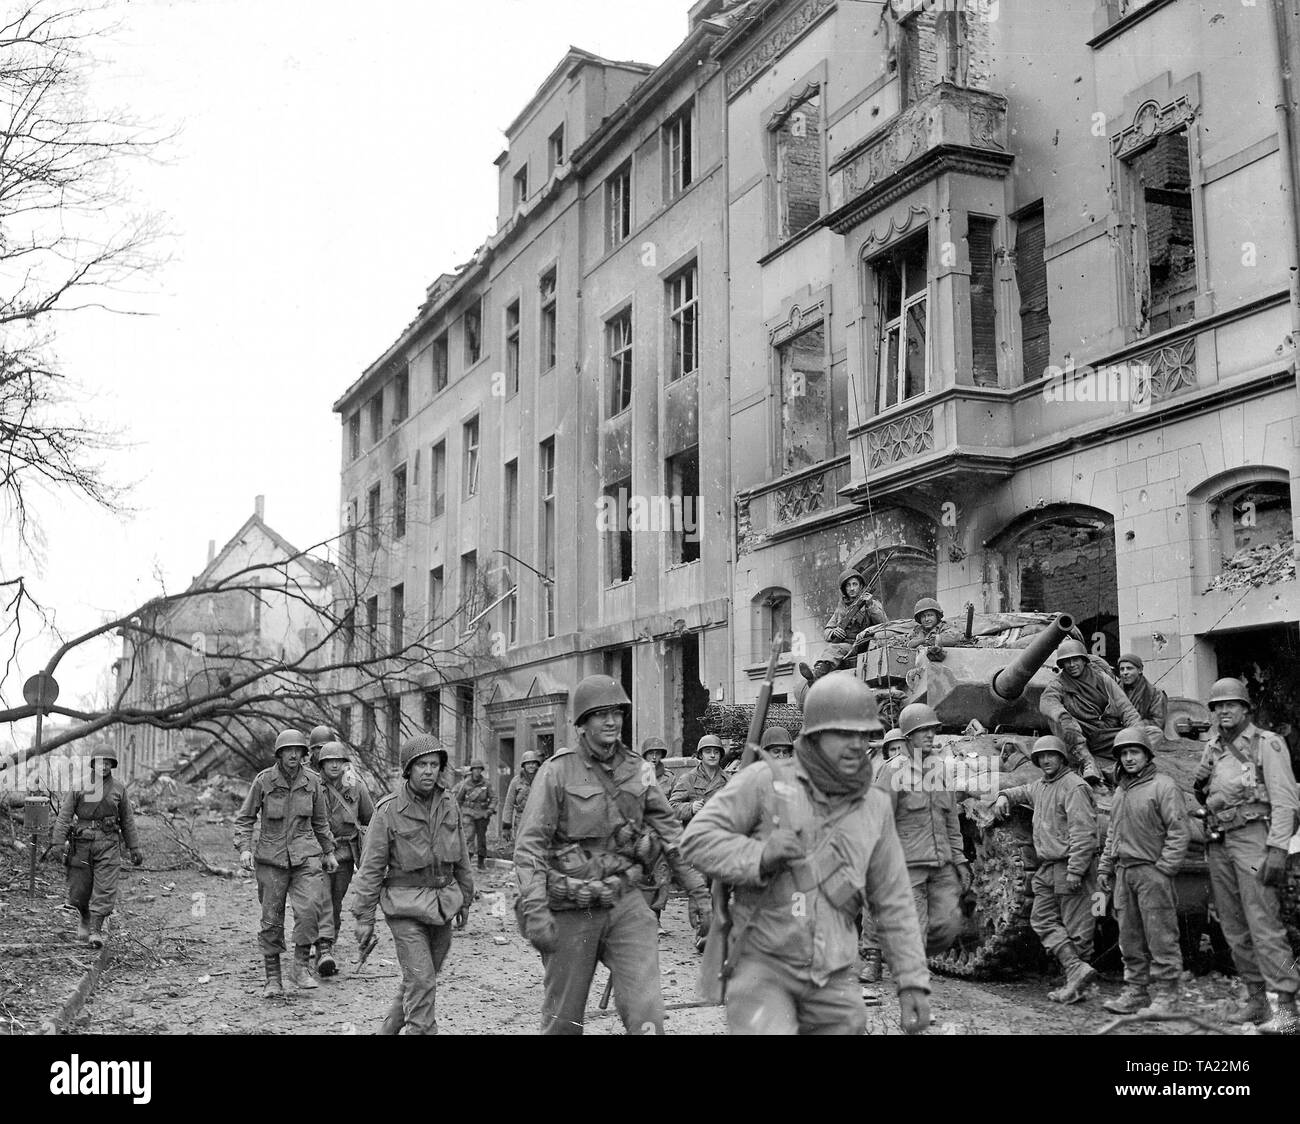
(40, 691)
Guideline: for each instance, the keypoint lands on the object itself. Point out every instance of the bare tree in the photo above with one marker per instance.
(238, 694)
(68, 239)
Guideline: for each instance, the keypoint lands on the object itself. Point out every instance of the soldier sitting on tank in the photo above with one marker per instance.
(827, 660)
(1151, 703)
(1146, 843)
(858, 610)
(1086, 708)
(1065, 840)
(932, 632)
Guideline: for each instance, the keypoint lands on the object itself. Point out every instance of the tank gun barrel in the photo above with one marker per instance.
(1009, 683)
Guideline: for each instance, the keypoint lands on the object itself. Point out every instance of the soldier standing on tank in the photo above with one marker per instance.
(590, 826)
(93, 824)
(479, 803)
(1146, 843)
(1065, 839)
(1086, 708)
(885, 761)
(1246, 782)
(1151, 703)
(805, 844)
(858, 609)
(517, 793)
(695, 787)
(350, 810)
(925, 815)
(414, 867)
(294, 845)
(931, 631)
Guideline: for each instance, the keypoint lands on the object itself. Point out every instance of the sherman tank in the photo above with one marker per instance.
(985, 689)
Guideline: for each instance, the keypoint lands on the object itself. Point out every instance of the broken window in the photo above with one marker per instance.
(431, 716)
(808, 431)
(770, 613)
(438, 478)
(929, 47)
(980, 232)
(435, 593)
(397, 618)
(521, 187)
(350, 536)
(1253, 532)
(376, 417)
(512, 348)
(372, 516)
(1031, 280)
(464, 723)
(399, 502)
(440, 354)
(473, 323)
(470, 437)
(618, 206)
(682, 479)
(902, 354)
(679, 146)
(354, 434)
(555, 153)
(689, 697)
(800, 170)
(469, 584)
(548, 321)
(618, 342)
(1166, 237)
(372, 626)
(618, 530)
(684, 322)
(401, 395)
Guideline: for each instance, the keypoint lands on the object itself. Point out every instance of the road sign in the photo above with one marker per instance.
(41, 690)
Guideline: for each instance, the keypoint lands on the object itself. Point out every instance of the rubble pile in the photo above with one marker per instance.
(217, 795)
(1257, 565)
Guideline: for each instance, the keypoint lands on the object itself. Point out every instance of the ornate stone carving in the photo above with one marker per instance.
(801, 498)
(1151, 120)
(887, 232)
(900, 145)
(775, 42)
(799, 318)
(899, 440)
(985, 122)
(1173, 368)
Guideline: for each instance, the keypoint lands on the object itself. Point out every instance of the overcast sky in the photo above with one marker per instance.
(330, 160)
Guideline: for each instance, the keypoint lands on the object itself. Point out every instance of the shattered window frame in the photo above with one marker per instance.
(684, 319)
(912, 316)
(791, 126)
(1161, 236)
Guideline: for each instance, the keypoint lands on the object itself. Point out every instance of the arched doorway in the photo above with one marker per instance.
(900, 576)
(1061, 559)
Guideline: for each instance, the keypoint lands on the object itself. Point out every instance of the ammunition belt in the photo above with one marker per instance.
(1239, 815)
(106, 824)
(436, 877)
(563, 891)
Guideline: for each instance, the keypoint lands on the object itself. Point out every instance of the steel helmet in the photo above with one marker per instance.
(1071, 649)
(848, 576)
(597, 692)
(840, 701)
(1230, 689)
(102, 753)
(420, 746)
(319, 736)
(776, 735)
(891, 736)
(1134, 736)
(289, 739)
(709, 741)
(530, 755)
(1050, 743)
(654, 745)
(917, 716)
(926, 605)
(333, 751)
(477, 765)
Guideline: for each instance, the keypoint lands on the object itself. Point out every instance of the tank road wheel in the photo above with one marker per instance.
(995, 937)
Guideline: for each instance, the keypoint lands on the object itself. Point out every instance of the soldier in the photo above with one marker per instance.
(415, 868)
(929, 830)
(885, 761)
(654, 751)
(1086, 708)
(587, 833)
(350, 809)
(293, 847)
(479, 803)
(931, 632)
(858, 610)
(1246, 783)
(318, 737)
(517, 792)
(823, 665)
(91, 827)
(1146, 843)
(1151, 703)
(805, 843)
(777, 742)
(694, 787)
(1065, 838)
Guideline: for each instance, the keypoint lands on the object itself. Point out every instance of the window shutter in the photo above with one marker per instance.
(983, 321)
(1031, 277)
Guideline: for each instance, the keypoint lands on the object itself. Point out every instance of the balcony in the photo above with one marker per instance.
(787, 506)
(951, 129)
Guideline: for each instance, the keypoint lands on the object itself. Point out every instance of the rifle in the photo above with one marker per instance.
(716, 966)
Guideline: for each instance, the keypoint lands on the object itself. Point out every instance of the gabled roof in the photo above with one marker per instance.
(320, 571)
(574, 58)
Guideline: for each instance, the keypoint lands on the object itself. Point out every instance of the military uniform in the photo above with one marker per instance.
(1252, 794)
(478, 802)
(589, 832)
(96, 829)
(414, 867)
(693, 785)
(1086, 713)
(294, 836)
(350, 809)
(516, 799)
(850, 618)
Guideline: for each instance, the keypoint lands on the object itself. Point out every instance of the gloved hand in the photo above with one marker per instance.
(697, 807)
(365, 932)
(246, 860)
(1204, 771)
(781, 846)
(329, 863)
(936, 654)
(137, 856)
(1001, 808)
(914, 1010)
(462, 917)
(1073, 883)
(539, 928)
(965, 876)
(1106, 881)
(1273, 872)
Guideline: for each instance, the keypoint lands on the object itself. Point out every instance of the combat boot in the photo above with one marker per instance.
(83, 926)
(1285, 1020)
(325, 965)
(96, 938)
(300, 971)
(1164, 1000)
(870, 967)
(1254, 1009)
(1133, 998)
(1078, 975)
(274, 985)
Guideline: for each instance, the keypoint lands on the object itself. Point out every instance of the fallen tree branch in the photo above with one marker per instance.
(196, 855)
(1173, 1017)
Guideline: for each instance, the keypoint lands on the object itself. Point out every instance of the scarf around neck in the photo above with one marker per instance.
(824, 773)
